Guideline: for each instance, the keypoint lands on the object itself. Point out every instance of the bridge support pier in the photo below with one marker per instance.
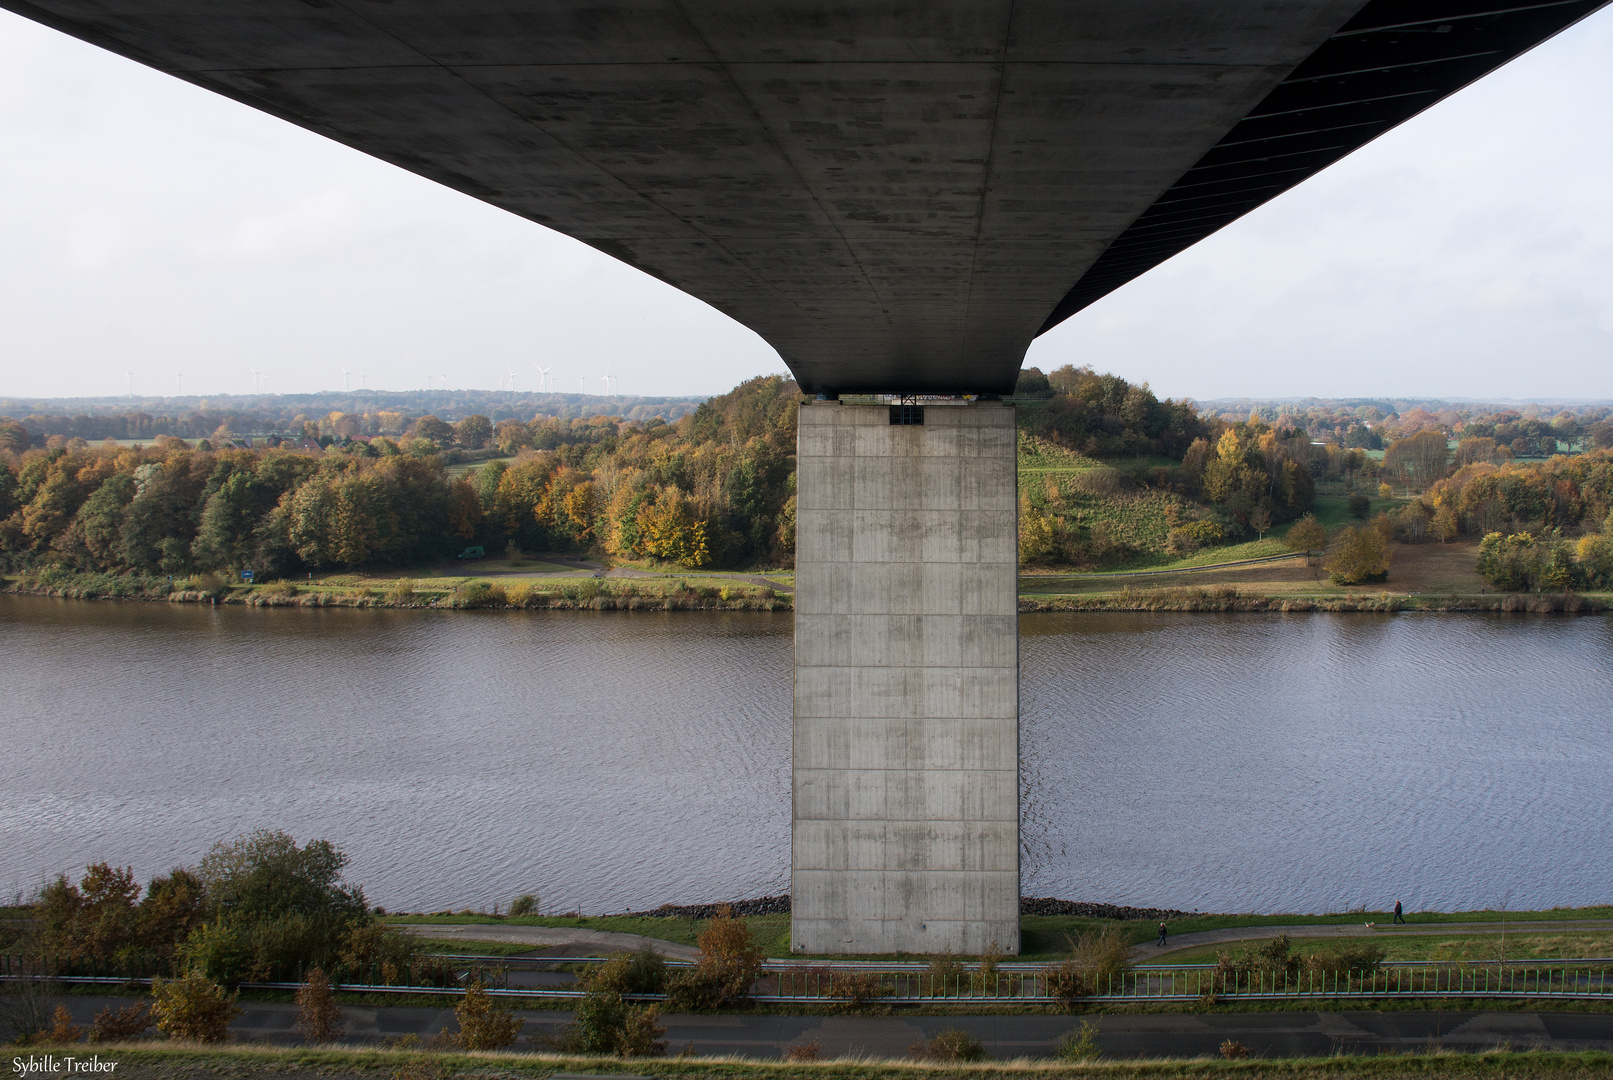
(905, 794)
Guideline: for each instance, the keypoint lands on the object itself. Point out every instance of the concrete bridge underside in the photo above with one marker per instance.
(898, 197)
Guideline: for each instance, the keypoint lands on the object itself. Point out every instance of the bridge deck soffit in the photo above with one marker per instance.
(897, 197)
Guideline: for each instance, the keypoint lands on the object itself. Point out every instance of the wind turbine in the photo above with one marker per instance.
(512, 380)
(582, 384)
(344, 380)
(179, 385)
(361, 380)
(543, 377)
(606, 379)
(130, 376)
(254, 372)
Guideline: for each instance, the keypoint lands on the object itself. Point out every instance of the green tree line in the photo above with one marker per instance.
(716, 487)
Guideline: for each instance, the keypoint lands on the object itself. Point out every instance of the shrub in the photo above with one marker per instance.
(1270, 959)
(643, 1035)
(478, 594)
(986, 977)
(803, 1051)
(1347, 958)
(1188, 537)
(62, 1028)
(729, 963)
(857, 988)
(373, 951)
(1102, 481)
(951, 1045)
(642, 972)
(401, 593)
(238, 948)
(1233, 1050)
(1081, 1044)
(1359, 505)
(319, 1018)
(525, 904)
(484, 1024)
(279, 590)
(1096, 956)
(947, 977)
(605, 1024)
(193, 1007)
(1066, 980)
(25, 1004)
(598, 1025)
(210, 585)
(121, 1025)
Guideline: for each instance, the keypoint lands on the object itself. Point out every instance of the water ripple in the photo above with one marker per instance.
(613, 761)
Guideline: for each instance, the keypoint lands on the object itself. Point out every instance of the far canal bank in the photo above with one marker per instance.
(640, 591)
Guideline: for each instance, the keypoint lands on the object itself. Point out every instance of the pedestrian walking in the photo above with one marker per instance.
(1162, 933)
(1400, 913)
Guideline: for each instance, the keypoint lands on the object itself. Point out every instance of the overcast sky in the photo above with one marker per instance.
(149, 227)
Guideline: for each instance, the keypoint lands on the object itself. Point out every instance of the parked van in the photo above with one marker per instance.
(477, 552)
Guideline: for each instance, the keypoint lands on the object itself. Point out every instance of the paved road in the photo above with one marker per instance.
(1149, 951)
(1159, 1035)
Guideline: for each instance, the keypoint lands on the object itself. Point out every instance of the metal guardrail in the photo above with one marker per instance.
(849, 982)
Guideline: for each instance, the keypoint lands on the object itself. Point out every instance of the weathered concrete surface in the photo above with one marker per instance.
(906, 744)
(897, 196)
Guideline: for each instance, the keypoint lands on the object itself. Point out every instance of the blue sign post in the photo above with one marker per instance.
(246, 575)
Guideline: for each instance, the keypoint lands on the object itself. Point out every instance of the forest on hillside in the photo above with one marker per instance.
(1109, 475)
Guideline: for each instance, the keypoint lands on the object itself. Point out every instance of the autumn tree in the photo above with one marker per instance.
(1447, 525)
(464, 509)
(473, 432)
(668, 530)
(1359, 554)
(430, 427)
(1420, 459)
(1306, 535)
(13, 436)
(1511, 563)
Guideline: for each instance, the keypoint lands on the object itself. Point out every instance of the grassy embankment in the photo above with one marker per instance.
(146, 1060)
(1046, 937)
(521, 581)
(1417, 944)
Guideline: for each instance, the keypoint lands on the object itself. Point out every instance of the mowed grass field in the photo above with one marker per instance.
(1414, 569)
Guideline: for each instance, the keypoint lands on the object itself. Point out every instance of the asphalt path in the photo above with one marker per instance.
(1176, 1035)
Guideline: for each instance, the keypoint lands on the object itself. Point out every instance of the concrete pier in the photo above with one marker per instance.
(906, 741)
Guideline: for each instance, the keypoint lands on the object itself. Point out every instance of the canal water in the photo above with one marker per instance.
(613, 761)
